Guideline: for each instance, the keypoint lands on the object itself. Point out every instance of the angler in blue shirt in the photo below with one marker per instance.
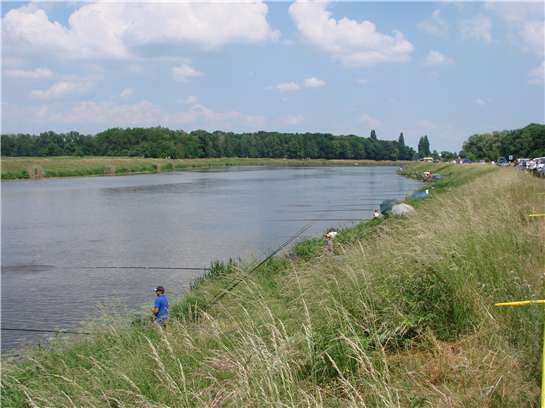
(160, 308)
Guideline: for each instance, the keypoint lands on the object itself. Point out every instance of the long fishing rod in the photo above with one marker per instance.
(141, 267)
(221, 294)
(214, 300)
(106, 267)
(42, 330)
(318, 219)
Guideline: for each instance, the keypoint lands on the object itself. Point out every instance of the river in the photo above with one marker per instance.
(56, 231)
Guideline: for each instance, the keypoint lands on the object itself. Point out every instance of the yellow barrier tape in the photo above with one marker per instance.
(537, 215)
(522, 303)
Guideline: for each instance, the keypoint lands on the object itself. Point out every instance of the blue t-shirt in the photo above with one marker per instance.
(161, 303)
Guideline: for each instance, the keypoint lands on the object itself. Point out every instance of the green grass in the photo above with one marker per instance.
(68, 166)
(401, 315)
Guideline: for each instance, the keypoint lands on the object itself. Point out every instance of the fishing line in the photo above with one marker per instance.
(220, 295)
(42, 330)
(319, 219)
(103, 267)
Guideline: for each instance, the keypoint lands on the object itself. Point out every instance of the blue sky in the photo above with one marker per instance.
(445, 69)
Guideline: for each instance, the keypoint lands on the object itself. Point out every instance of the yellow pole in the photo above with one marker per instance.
(522, 303)
(536, 215)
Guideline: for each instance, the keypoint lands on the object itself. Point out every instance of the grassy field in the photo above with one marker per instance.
(37, 167)
(401, 315)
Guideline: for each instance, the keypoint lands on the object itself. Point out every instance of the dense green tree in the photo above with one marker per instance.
(163, 142)
(373, 134)
(424, 147)
(526, 142)
(445, 155)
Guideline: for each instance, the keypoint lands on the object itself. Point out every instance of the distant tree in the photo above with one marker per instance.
(424, 147)
(445, 155)
(373, 134)
(401, 140)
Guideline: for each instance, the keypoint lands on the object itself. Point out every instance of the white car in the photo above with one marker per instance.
(540, 163)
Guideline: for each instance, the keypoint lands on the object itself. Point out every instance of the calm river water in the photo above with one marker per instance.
(53, 229)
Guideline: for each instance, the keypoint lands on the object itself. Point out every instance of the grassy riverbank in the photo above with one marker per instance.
(37, 167)
(401, 315)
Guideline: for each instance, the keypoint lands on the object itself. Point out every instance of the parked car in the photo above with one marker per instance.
(521, 163)
(540, 163)
(502, 161)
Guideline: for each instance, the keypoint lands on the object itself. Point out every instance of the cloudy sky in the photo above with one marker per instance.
(446, 69)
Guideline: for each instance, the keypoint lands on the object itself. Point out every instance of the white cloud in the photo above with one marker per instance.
(127, 29)
(126, 92)
(532, 35)
(37, 73)
(62, 89)
(536, 75)
(313, 82)
(526, 19)
(354, 43)
(370, 121)
(362, 81)
(142, 113)
(288, 87)
(184, 72)
(478, 28)
(293, 120)
(517, 11)
(191, 100)
(483, 101)
(291, 86)
(199, 113)
(437, 58)
(434, 25)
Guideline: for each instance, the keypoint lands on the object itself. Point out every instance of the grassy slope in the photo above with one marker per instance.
(402, 316)
(23, 167)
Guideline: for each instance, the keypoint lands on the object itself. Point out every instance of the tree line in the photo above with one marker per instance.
(528, 142)
(161, 142)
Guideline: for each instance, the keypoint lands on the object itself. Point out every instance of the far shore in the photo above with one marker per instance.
(69, 166)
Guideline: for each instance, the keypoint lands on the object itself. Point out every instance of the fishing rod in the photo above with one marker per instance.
(319, 219)
(221, 294)
(42, 330)
(213, 301)
(341, 210)
(105, 267)
(140, 267)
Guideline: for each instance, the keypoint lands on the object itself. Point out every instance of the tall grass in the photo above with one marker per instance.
(401, 315)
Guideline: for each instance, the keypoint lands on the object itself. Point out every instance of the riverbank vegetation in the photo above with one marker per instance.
(38, 167)
(176, 144)
(400, 315)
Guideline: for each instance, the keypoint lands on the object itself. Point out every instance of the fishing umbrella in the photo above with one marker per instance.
(402, 209)
(386, 206)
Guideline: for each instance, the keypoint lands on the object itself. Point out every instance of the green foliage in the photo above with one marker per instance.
(308, 249)
(165, 143)
(528, 142)
(446, 155)
(424, 147)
